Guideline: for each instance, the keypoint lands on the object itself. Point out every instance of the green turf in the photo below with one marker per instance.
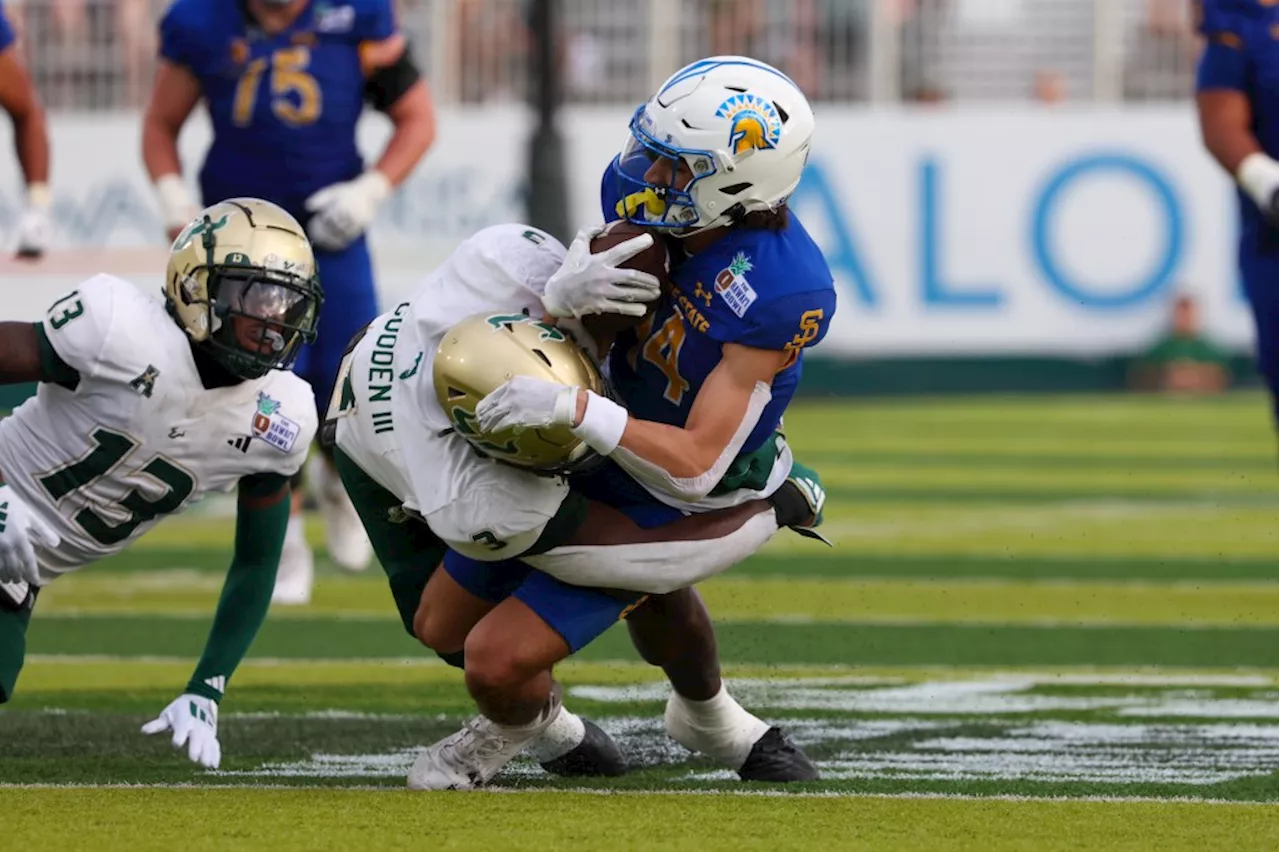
(1051, 597)
(757, 642)
(287, 820)
(147, 558)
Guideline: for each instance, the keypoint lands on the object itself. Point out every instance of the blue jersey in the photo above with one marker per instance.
(1240, 54)
(765, 289)
(284, 107)
(6, 31)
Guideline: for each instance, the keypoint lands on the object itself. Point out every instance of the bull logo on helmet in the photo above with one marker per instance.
(754, 123)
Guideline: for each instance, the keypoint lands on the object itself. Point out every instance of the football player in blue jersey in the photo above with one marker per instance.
(285, 82)
(1236, 97)
(31, 139)
(703, 383)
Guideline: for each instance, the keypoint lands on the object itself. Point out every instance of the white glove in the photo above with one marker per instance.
(527, 403)
(20, 530)
(177, 207)
(194, 722)
(344, 210)
(34, 228)
(589, 283)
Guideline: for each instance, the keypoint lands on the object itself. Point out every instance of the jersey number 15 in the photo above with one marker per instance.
(295, 94)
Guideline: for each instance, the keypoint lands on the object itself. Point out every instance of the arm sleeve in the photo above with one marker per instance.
(796, 321)
(6, 31)
(246, 593)
(52, 366)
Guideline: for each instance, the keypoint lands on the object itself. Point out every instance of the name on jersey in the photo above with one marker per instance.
(733, 287)
(273, 427)
(382, 371)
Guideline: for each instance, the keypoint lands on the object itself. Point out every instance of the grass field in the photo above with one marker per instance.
(1048, 623)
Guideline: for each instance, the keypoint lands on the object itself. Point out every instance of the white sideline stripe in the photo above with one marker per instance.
(657, 791)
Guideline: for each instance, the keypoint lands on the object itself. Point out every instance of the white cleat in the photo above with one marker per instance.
(471, 757)
(297, 571)
(348, 544)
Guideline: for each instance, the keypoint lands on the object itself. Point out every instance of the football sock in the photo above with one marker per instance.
(719, 727)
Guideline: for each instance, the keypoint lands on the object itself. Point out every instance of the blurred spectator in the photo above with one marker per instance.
(1184, 360)
(493, 44)
(1160, 53)
(1049, 87)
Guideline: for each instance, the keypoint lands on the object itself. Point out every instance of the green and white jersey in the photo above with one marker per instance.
(129, 434)
(395, 429)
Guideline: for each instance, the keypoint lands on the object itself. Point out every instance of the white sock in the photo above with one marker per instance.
(296, 532)
(563, 735)
(719, 727)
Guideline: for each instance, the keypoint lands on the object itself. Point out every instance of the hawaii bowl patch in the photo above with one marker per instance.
(273, 427)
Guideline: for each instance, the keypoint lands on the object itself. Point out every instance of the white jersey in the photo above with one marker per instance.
(398, 433)
(137, 436)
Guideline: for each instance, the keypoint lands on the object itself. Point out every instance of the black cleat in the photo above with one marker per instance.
(597, 756)
(776, 758)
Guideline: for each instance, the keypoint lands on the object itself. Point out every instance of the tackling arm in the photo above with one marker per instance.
(685, 462)
(261, 518)
(610, 550)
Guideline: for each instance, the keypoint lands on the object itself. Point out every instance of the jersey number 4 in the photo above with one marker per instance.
(110, 448)
(295, 94)
(662, 350)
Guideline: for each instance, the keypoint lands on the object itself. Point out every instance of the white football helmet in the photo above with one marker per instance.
(741, 128)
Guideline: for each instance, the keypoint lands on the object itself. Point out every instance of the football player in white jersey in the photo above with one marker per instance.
(143, 407)
(428, 488)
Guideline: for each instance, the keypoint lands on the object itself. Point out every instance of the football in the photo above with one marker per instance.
(655, 260)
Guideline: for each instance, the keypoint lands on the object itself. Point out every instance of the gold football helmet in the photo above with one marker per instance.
(481, 353)
(241, 281)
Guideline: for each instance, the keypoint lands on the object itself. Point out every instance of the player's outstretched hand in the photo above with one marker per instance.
(589, 283)
(194, 722)
(525, 402)
(20, 531)
(343, 211)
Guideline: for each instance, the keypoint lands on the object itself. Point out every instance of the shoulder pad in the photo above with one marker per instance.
(1215, 17)
(372, 20)
(286, 418)
(81, 324)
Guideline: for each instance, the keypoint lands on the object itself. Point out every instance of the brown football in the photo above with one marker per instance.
(655, 260)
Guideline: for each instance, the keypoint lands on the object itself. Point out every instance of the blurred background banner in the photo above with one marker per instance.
(998, 178)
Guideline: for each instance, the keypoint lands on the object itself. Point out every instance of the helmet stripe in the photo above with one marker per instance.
(704, 65)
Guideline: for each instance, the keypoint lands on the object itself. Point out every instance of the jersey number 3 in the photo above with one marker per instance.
(109, 450)
(295, 94)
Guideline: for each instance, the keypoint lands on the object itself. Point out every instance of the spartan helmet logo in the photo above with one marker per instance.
(754, 123)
